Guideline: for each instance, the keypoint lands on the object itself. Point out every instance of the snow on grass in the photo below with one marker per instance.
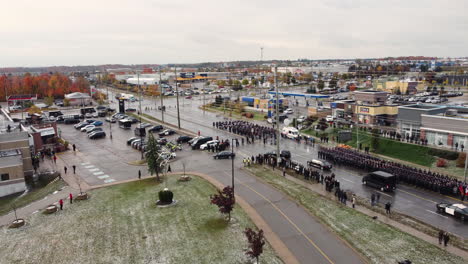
(379, 242)
(121, 224)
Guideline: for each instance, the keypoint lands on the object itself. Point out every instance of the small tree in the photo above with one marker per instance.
(49, 100)
(153, 157)
(224, 200)
(245, 82)
(256, 243)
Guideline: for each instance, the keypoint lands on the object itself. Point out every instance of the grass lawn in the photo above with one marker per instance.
(121, 224)
(34, 195)
(379, 242)
(257, 115)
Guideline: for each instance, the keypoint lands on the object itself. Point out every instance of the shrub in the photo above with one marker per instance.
(165, 196)
(445, 154)
(441, 162)
(461, 160)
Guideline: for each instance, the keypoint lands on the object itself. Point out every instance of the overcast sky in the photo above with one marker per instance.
(86, 32)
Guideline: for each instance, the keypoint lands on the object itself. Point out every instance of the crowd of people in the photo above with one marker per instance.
(422, 178)
(249, 130)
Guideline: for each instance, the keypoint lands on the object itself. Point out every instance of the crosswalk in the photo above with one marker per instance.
(97, 172)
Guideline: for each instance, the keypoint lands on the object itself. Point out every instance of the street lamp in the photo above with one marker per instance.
(161, 95)
(232, 164)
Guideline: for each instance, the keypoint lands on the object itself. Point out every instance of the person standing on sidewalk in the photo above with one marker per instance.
(441, 237)
(61, 204)
(372, 199)
(55, 159)
(284, 172)
(354, 201)
(388, 205)
(65, 169)
(446, 238)
(71, 198)
(74, 169)
(139, 174)
(74, 147)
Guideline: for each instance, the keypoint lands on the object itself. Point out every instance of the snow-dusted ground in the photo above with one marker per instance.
(379, 242)
(121, 224)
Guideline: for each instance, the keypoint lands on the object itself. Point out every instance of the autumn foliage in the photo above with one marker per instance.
(44, 85)
(224, 200)
(256, 242)
(441, 162)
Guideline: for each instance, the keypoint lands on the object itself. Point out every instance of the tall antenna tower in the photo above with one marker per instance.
(261, 54)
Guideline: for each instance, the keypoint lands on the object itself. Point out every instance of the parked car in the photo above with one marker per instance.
(80, 125)
(381, 180)
(320, 164)
(288, 111)
(94, 130)
(130, 110)
(209, 143)
(71, 121)
(130, 140)
(167, 132)
(97, 134)
(455, 210)
(143, 125)
(161, 141)
(98, 123)
(286, 154)
(88, 115)
(190, 142)
(83, 129)
(224, 155)
(183, 139)
(197, 143)
(156, 128)
(168, 155)
(87, 128)
(110, 119)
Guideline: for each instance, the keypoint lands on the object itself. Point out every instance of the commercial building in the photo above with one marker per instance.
(78, 98)
(371, 109)
(409, 117)
(442, 126)
(15, 162)
(393, 85)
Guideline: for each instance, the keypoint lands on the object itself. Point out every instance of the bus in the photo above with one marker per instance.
(125, 123)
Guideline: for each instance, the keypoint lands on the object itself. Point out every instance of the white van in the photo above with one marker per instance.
(290, 132)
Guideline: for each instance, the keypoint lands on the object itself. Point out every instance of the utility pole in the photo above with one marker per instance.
(161, 95)
(177, 97)
(466, 158)
(204, 102)
(277, 116)
(141, 135)
(232, 165)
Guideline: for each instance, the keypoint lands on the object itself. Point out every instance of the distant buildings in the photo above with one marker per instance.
(78, 98)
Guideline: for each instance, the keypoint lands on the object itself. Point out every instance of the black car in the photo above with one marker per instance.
(98, 134)
(130, 110)
(71, 121)
(161, 141)
(224, 155)
(183, 139)
(167, 132)
(156, 128)
(286, 154)
(381, 180)
(456, 210)
(320, 164)
(132, 119)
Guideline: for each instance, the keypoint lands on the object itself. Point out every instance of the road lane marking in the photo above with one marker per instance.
(90, 166)
(415, 195)
(85, 163)
(436, 213)
(384, 194)
(347, 180)
(98, 173)
(109, 180)
(290, 221)
(103, 176)
(94, 169)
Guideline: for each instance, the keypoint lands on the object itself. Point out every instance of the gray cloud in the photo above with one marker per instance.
(52, 32)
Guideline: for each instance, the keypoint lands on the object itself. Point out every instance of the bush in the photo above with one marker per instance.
(461, 160)
(441, 162)
(445, 154)
(165, 196)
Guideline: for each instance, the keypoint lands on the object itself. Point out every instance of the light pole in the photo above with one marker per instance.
(161, 95)
(177, 97)
(277, 116)
(141, 135)
(466, 159)
(232, 165)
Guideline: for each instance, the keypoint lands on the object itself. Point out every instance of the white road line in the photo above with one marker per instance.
(103, 176)
(85, 163)
(98, 173)
(90, 166)
(347, 180)
(109, 180)
(384, 194)
(432, 212)
(94, 169)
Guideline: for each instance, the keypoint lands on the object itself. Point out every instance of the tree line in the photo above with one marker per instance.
(44, 85)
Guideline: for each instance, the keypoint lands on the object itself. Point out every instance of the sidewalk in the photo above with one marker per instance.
(53, 198)
(320, 189)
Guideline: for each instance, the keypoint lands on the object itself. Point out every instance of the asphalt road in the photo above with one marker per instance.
(106, 160)
(409, 200)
